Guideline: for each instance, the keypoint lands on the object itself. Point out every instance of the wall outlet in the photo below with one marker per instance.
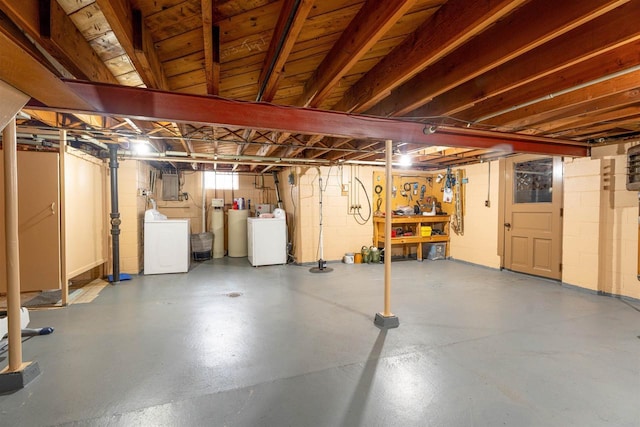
(487, 203)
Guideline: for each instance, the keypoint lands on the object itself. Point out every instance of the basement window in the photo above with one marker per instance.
(533, 181)
(220, 180)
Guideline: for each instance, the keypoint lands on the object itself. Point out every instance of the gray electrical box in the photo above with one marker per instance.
(633, 168)
(170, 186)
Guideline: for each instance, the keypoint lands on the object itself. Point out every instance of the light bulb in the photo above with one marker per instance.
(141, 148)
(405, 160)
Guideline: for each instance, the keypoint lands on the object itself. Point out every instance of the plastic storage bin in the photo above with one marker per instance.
(434, 251)
(201, 246)
(425, 231)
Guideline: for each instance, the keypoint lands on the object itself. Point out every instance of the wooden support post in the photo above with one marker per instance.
(17, 374)
(64, 283)
(387, 230)
(11, 242)
(386, 319)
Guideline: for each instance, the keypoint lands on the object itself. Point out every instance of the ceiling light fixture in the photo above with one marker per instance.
(405, 160)
(428, 130)
(141, 148)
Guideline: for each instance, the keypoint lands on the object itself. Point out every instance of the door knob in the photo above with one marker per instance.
(507, 224)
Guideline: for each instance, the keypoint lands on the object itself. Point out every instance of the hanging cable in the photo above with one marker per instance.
(364, 220)
(290, 253)
(319, 249)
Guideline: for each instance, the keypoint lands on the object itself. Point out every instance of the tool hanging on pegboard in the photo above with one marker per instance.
(378, 190)
(447, 196)
(458, 221)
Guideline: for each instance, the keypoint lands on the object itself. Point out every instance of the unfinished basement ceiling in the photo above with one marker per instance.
(563, 73)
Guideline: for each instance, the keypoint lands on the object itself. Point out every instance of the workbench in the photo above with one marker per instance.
(413, 225)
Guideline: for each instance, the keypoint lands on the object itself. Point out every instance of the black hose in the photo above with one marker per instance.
(368, 204)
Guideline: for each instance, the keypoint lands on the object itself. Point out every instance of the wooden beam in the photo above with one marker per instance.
(372, 22)
(92, 120)
(290, 22)
(494, 47)
(573, 49)
(179, 132)
(24, 72)
(451, 26)
(211, 36)
(136, 41)
(49, 118)
(18, 37)
(64, 42)
(614, 126)
(179, 107)
(592, 118)
(538, 123)
(292, 16)
(534, 102)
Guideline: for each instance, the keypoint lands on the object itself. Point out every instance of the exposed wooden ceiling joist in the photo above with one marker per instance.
(211, 35)
(568, 86)
(290, 22)
(494, 47)
(134, 37)
(21, 70)
(527, 68)
(372, 22)
(453, 24)
(47, 23)
(605, 33)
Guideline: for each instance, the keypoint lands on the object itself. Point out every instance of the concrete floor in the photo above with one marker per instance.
(475, 347)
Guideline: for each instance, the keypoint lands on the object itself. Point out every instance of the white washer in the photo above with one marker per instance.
(267, 241)
(166, 246)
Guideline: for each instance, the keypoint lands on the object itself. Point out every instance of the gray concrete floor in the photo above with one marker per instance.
(475, 347)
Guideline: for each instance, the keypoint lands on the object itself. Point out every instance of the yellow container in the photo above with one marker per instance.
(425, 231)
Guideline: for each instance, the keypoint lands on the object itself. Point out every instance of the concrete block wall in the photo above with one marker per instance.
(580, 239)
(131, 228)
(479, 243)
(341, 232)
(619, 227)
(600, 239)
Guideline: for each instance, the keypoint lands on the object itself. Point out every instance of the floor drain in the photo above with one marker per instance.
(234, 294)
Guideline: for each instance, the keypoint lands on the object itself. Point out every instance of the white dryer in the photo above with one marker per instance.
(166, 245)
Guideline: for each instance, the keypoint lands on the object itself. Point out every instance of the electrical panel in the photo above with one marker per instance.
(170, 186)
(633, 168)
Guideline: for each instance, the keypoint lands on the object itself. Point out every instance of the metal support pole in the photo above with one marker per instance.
(12, 248)
(115, 215)
(386, 319)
